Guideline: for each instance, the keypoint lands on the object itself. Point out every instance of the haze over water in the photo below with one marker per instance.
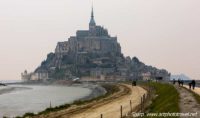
(37, 98)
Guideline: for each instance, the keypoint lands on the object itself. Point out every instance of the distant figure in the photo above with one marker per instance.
(193, 84)
(134, 83)
(179, 82)
(174, 81)
(190, 84)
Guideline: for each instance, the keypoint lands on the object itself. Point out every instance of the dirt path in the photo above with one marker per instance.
(188, 104)
(109, 107)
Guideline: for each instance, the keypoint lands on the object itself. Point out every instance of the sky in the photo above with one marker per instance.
(161, 33)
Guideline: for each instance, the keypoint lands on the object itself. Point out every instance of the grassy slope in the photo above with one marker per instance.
(167, 99)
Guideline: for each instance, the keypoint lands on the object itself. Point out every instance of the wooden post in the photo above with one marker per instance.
(50, 104)
(101, 115)
(149, 92)
(141, 104)
(131, 105)
(121, 111)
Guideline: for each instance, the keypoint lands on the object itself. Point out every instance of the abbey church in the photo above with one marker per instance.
(95, 40)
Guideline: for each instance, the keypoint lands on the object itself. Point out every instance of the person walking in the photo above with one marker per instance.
(193, 84)
(134, 83)
(174, 82)
(190, 84)
(182, 82)
(179, 82)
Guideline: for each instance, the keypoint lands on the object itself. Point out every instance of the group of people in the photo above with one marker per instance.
(181, 82)
(192, 84)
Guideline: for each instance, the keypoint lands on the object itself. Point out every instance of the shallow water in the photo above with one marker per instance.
(37, 98)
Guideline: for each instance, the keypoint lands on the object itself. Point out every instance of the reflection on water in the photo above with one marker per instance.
(37, 98)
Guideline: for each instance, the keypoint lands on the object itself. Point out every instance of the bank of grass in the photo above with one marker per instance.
(195, 95)
(166, 99)
(110, 88)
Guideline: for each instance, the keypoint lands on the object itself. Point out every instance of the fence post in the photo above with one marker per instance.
(131, 105)
(50, 104)
(121, 111)
(101, 115)
(144, 97)
(141, 104)
(143, 101)
(149, 92)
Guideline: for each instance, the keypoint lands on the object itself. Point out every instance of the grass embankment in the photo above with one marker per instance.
(166, 99)
(195, 95)
(110, 88)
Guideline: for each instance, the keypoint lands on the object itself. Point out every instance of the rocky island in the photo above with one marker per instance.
(93, 55)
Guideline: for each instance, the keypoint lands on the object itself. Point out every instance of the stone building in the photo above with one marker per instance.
(94, 40)
(34, 76)
(25, 76)
(62, 48)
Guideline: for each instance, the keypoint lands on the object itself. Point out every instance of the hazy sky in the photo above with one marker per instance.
(162, 33)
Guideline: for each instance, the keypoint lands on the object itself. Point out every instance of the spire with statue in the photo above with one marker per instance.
(92, 21)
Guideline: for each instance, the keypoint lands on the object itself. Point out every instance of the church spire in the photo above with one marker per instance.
(92, 14)
(92, 21)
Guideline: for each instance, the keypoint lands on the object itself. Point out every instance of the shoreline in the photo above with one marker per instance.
(9, 89)
(5, 90)
(99, 92)
(96, 91)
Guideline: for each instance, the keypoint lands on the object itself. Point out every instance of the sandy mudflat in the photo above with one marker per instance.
(109, 107)
(6, 89)
(196, 90)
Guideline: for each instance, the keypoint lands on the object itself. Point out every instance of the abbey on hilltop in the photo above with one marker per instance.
(96, 41)
(93, 54)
